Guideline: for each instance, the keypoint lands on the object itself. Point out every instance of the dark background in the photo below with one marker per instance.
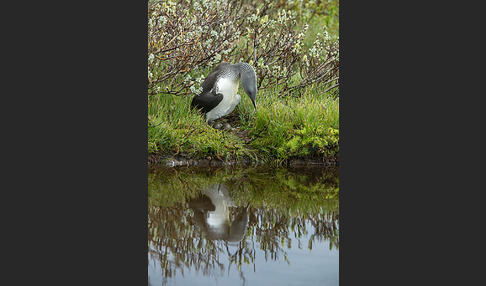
(411, 128)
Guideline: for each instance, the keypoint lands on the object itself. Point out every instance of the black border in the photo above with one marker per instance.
(407, 90)
(84, 144)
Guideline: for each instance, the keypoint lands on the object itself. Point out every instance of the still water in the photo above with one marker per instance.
(243, 226)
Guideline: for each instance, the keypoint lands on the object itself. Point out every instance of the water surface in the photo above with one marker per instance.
(243, 226)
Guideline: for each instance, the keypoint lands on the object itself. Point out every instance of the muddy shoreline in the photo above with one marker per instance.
(180, 160)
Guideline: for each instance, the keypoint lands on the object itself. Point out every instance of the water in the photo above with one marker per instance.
(243, 226)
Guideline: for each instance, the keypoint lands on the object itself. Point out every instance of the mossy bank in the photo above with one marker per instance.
(283, 130)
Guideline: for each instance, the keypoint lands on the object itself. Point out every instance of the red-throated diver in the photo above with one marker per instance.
(219, 96)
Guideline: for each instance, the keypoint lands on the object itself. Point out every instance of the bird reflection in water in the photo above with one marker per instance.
(212, 215)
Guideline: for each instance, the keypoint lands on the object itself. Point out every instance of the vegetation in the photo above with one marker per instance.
(294, 48)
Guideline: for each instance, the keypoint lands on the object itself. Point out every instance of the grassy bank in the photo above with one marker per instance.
(301, 124)
(282, 127)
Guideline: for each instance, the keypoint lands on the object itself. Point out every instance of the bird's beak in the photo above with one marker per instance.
(252, 96)
(253, 100)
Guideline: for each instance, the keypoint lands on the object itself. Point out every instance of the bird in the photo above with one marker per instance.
(219, 96)
(212, 214)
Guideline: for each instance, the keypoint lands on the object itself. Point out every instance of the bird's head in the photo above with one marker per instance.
(249, 81)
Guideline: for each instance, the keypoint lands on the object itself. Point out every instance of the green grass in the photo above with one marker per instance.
(282, 127)
(174, 128)
(287, 126)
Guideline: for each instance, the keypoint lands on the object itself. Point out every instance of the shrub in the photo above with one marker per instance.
(188, 38)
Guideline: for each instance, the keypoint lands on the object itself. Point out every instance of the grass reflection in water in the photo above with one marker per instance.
(199, 219)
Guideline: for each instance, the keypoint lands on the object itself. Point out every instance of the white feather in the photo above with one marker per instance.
(229, 88)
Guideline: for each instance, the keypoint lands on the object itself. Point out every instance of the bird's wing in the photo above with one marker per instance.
(206, 101)
(210, 80)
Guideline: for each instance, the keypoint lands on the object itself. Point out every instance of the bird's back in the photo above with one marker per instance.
(211, 79)
(206, 101)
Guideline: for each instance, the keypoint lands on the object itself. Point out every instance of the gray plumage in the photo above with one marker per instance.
(218, 71)
(219, 96)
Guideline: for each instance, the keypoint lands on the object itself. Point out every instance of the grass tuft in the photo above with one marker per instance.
(282, 127)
